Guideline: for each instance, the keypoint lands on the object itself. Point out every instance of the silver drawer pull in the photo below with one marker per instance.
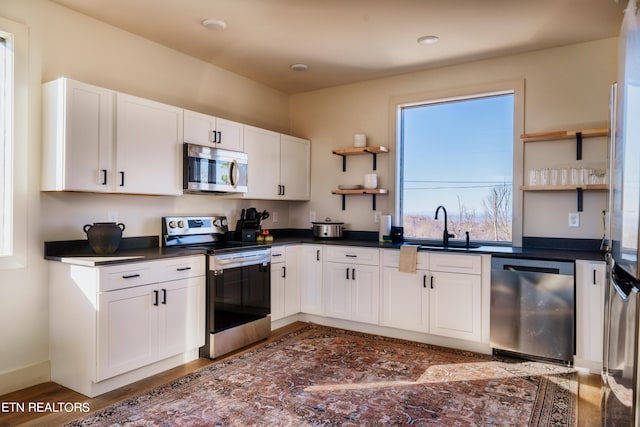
(130, 276)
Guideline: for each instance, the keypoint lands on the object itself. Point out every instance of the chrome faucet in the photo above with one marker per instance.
(445, 233)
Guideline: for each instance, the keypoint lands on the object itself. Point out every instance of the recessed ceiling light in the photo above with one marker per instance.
(214, 24)
(428, 40)
(299, 67)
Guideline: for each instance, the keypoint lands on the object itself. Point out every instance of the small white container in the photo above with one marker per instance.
(359, 140)
(371, 181)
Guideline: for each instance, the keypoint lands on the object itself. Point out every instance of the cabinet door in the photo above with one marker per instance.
(263, 151)
(291, 285)
(148, 147)
(198, 128)
(590, 284)
(310, 278)
(77, 137)
(337, 290)
(180, 316)
(365, 294)
(127, 330)
(277, 290)
(455, 305)
(295, 155)
(405, 299)
(231, 135)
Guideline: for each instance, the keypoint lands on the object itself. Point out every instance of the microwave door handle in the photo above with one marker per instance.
(234, 173)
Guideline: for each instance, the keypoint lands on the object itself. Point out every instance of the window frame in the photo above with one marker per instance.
(15, 146)
(452, 94)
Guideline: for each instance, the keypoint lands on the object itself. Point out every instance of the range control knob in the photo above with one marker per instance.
(172, 224)
(180, 224)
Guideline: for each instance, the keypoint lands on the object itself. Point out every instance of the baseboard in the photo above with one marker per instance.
(37, 373)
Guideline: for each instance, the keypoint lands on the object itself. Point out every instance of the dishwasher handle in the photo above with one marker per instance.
(530, 269)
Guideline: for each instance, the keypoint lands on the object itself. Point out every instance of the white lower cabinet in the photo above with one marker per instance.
(454, 305)
(590, 286)
(113, 325)
(437, 299)
(140, 325)
(351, 289)
(310, 274)
(285, 290)
(405, 300)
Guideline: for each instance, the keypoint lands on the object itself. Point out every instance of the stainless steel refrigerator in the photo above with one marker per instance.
(621, 376)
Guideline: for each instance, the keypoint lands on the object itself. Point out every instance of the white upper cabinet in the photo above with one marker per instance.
(279, 165)
(77, 138)
(263, 150)
(211, 131)
(295, 158)
(98, 140)
(148, 148)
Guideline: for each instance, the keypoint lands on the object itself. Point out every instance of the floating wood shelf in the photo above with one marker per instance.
(564, 134)
(374, 192)
(579, 189)
(356, 151)
(586, 187)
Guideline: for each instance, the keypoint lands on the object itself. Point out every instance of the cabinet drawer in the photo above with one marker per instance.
(182, 268)
(470, 264)
(353, 255)
(391, 258)
(127, 276)
(278, 254)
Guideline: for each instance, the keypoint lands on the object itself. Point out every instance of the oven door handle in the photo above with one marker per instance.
(248, 258)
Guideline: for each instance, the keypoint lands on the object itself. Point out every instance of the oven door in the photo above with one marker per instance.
(240, 295)
(212, 170)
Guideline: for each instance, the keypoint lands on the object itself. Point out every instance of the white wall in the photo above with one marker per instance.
(65, 43)
(565, 88)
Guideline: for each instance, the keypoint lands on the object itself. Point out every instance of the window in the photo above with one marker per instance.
(458, 153)
(13, 144)
(6, 83)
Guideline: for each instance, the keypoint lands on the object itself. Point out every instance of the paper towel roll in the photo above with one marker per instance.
(385, 227)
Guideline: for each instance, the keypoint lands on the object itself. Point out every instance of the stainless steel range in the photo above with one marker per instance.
(238, 295)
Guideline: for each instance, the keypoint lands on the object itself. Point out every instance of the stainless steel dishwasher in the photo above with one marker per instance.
(532, 308)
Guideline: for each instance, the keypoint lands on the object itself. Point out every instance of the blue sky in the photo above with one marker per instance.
(456, 149)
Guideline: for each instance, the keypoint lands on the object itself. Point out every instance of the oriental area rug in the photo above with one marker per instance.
(321, 376)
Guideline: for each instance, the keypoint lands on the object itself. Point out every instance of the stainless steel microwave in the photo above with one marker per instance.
(212, 170)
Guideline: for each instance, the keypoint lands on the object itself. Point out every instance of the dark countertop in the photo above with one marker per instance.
(146, 248)
(502, 251)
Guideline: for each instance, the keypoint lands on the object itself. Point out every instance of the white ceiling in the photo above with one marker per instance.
(345, 41)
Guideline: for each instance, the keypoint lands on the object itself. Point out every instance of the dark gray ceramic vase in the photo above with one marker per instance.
(104, 237)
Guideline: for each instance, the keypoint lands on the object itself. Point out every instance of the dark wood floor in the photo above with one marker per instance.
(588, 404)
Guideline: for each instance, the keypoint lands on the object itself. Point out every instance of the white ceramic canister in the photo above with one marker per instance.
(359, 140)
(371, 181)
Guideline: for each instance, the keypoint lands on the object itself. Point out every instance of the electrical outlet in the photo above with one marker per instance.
(312, 216)
(376, 217)
(113, 216)
(274, 216)
(574, 219)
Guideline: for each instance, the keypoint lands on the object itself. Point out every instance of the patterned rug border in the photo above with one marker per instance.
(562, 388)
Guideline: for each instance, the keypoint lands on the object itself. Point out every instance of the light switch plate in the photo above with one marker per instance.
(574, 219)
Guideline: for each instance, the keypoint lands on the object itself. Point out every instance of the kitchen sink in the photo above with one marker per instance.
(451, 246)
